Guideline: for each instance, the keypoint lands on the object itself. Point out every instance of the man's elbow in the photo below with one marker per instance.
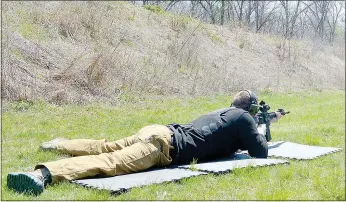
(260, 156)
(260, 153)
(264, 155)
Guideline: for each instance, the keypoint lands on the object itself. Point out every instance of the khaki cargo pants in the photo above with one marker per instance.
(149, 147)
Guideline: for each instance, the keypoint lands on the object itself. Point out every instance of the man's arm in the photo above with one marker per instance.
(251, 140)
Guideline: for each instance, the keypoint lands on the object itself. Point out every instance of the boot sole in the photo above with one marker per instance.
(24, 183)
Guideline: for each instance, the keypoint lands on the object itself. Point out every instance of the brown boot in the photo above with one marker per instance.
(51, 145)
(29, 182)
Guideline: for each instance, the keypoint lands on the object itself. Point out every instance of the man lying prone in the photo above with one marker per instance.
(216, 134)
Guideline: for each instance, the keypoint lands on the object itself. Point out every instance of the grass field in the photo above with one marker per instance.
(317, 118)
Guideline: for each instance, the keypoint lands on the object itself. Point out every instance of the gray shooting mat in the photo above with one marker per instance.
(298, 151)
(122, 183)
(236, 161)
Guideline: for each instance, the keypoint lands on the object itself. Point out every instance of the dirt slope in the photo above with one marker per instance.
(97, 51)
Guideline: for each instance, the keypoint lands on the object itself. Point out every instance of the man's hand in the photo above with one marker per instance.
(278, 116)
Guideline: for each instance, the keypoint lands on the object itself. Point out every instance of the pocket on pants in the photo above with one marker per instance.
(163, 160)
(164, 147)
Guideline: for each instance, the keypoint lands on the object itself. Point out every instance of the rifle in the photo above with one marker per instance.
(264, 117)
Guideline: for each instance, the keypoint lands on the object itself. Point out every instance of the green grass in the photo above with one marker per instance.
(155, 9)
(29, 25)
(317, 118)
(213, 36)
(33, 31)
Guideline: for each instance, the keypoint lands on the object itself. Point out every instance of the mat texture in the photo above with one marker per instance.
(122, 183)
(228, 164)
(298, 151)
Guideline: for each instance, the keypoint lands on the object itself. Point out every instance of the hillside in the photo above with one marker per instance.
(77, 52)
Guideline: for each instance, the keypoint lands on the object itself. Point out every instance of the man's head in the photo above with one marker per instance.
(246, 100)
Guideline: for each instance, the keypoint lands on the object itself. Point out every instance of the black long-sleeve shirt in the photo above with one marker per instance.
(216, 134)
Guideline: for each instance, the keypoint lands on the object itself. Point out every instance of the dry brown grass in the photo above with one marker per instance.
(99, 51)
